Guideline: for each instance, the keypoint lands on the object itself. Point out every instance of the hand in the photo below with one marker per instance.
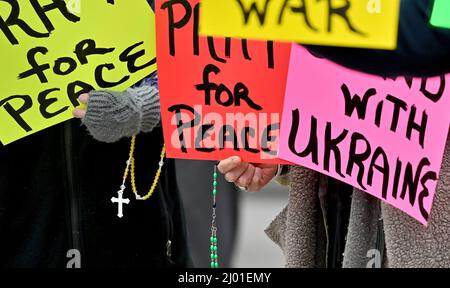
(252, 177)
(80, 112)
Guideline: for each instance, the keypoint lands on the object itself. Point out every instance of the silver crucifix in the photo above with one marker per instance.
(120, 201)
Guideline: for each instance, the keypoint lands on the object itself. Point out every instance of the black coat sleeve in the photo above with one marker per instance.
(422, 50)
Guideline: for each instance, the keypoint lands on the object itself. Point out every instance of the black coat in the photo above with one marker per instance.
(55, 195)
(422, 50)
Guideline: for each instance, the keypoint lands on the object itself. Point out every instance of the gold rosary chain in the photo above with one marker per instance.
(130, 169)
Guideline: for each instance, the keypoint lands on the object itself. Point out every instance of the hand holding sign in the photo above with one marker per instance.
(228, 95)
(80, 111)
(248, 176)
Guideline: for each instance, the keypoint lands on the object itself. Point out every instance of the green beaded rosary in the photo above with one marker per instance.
(214, 255)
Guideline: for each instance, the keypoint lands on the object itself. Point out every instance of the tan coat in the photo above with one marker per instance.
(300, 228)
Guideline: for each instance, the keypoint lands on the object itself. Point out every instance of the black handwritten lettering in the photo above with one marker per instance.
(301, 9)
(246, 132)
(99, 78)
(227, 134)
(331, 145)
(16, 114)
(245, 49)
(212, 51)
(398, 105)
(342, 12)
(435, 97)
(355, 102)
(87, 48)
(59, 5)
(268, 137)
(270, 56)
(41, 11)
(398, 170)
(192, 14)
(202, 134)
(411, 182)
(430, 175)
(173, 24)
(253, 8)
(74, 94)
(181, 125)
(383, 169)
(358, 158)
(72, 65)
(131, 59)
(241, 92)
(207, 86)
(378, 113)
(46, 102)
(36, 69)
(14, 20)
(412, 125)
(195, 36)
(311, 148)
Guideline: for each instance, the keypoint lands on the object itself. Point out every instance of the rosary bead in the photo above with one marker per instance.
(213, 237)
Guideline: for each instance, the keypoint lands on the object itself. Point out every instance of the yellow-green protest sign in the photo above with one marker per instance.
(51, 51)
(349, 23)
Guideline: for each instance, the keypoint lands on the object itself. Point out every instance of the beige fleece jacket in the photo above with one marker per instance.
(299, 228)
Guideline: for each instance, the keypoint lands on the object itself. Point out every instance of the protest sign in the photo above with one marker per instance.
(383, 136)
(351, 23)
(440, 17)
(219, 97)
(51, 54)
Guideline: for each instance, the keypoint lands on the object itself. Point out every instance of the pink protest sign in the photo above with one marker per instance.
(383, 136)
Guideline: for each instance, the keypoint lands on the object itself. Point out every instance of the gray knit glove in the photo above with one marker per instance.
(111, 116)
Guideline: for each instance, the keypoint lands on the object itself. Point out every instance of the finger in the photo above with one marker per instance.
(269, 171)
(267, 166)
(229, 164)
(79, 113)
(84, 98)
(255, 184)
(234, 174)
(246, 178)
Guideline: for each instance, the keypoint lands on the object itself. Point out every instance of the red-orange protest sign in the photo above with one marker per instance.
(219, 96)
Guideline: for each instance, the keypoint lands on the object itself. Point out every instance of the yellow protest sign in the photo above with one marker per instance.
(54, 50)
(350, 23)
